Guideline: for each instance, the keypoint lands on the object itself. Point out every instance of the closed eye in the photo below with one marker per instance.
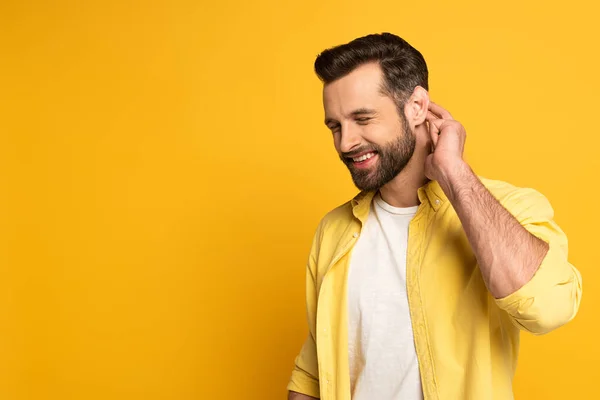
(363, 119)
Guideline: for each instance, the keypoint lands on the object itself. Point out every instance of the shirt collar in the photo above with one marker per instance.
(431, 192)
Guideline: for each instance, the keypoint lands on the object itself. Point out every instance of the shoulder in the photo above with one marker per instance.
(325, 246)
(331, 229)
(337, 218)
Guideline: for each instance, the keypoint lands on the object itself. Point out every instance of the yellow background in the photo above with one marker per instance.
(163, 166)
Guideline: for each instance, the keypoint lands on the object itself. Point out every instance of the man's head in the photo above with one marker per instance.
(374, 95)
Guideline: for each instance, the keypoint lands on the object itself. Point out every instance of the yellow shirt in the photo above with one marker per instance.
(467, 341)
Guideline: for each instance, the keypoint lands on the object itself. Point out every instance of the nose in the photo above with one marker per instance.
(349, 138)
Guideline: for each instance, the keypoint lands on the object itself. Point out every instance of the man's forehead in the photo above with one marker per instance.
(359, 89)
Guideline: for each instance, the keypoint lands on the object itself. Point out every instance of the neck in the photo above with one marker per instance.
(402, 191)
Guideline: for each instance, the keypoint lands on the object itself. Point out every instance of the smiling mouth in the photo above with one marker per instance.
(362, 161)
(363, 157)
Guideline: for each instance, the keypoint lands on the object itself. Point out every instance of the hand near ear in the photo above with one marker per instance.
(448, 137)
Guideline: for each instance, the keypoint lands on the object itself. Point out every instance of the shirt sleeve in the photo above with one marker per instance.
(305, 375)
(552, 297)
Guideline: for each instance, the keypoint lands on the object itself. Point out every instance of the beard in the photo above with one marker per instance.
(392, 158)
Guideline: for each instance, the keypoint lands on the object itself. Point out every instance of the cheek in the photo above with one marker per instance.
(336, 137)
(387, 133)
(377, 134)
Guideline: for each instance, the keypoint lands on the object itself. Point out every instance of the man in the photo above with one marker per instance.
(418, 287)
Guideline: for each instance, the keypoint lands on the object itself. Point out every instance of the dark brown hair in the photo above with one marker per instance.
(403, 66)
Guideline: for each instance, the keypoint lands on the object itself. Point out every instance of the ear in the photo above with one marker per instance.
(416, 107)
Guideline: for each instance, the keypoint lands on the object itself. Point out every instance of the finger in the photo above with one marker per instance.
(437, 126)
(441, 124)
(434, 122)
(440, 111)
(434, 131)
(431, 116)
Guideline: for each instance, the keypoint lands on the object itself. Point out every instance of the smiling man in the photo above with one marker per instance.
(419, 287)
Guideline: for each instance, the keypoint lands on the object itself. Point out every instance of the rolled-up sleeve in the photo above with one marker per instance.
(552, 297)
(305, 375)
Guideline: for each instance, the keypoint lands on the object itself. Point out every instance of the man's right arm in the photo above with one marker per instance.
(304, 382)
(305, 375)
(299, 396)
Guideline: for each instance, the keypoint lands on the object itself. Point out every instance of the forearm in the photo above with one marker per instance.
(299, 396)
(507, 254)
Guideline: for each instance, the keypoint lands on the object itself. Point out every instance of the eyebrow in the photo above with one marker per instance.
(355, 113)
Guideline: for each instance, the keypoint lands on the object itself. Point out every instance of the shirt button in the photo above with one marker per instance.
(437, 202)
(355, 235)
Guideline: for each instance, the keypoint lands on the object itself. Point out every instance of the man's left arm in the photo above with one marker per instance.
(522, 253)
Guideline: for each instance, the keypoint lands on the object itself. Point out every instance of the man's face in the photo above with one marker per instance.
(370, 136)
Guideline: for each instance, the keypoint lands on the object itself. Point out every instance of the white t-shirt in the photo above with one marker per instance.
(382, 357)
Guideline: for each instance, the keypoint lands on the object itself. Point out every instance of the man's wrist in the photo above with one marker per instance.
(457, 177)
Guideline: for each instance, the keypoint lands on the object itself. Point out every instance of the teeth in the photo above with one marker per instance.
(363, 157)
